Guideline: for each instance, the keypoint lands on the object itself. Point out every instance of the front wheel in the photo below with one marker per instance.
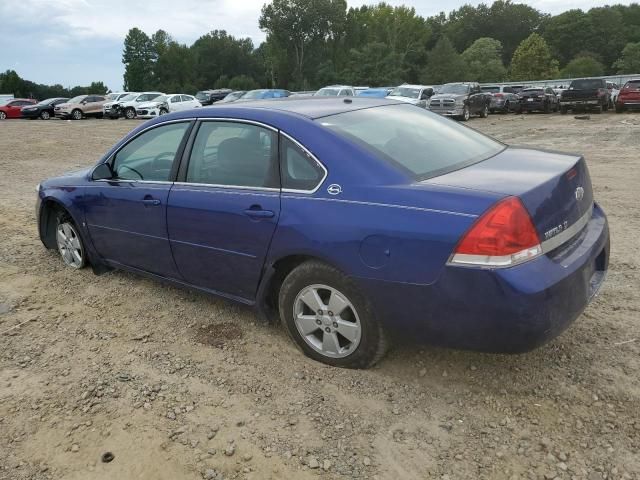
(466, 114)
(70, 244)
(163, 111)
(130, 113)
(328, 317)
(44, 115)
(485, 112)
(76, 114)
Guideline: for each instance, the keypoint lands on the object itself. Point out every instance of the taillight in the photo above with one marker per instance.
(499, 95)
(503, 236)
(602, 92)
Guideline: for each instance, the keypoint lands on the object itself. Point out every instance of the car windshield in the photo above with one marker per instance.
(77, 99)
(405, 92)
(532, 90)
(491, 89)
(126, 98)
(418, 141)
(47, 101)
(162, 98)
(455, 88)
(585, 85)
(254, 94)
(202, 95)
(147, 97)
(327, 92)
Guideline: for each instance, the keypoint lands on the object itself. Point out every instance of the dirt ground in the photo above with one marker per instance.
(177, 385)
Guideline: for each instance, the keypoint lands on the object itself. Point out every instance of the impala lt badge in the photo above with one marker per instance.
(579, 193)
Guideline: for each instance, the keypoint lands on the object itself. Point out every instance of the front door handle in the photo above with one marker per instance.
(258, 212)
(152, 202)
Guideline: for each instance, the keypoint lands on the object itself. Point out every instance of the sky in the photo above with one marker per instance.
(75, 42)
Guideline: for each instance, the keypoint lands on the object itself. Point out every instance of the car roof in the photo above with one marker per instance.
(310, 107)
(338, 86)
(409, 85)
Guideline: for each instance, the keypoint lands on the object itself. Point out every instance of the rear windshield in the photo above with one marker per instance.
(586, 85)
(418, 141)
(491, 89)
(532, 90)
(327, 92)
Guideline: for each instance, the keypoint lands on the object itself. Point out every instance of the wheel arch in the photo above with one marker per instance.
(47, 218)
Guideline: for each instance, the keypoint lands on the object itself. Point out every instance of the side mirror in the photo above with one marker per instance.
(102, 172)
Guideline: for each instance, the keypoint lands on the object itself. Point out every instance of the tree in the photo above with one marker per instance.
(174, 69)
(374, 64)
(629, 62)
(243, 82)
(483, 61)
(584, 65)
(532, 60)
(300, 26)
(443, 64)
(138, 59)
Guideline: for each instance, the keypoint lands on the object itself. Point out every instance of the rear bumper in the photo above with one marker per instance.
(581, 103)
(535, 105)
(509, 310)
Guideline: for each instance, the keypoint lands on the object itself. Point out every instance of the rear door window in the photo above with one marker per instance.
(298, 169)
(234, 154)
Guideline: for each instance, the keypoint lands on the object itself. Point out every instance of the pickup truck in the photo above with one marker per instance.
(585, 94)
(461, 100)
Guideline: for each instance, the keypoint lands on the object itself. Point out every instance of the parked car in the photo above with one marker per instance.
(542, 99)
(80, 106)
(233, 96)
(503, 98)
(518, 88)
(173, 102)
(263, 94)
(629, 97)
(431, 231)
(336, 91)
(43, 109)
(614, 91)
(417, 95)
(374, 92)
(12, 108)
(461, 100)
(209, 97)
(126, 106)
(585, 94)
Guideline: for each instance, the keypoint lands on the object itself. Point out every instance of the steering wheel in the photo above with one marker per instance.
(133, 170)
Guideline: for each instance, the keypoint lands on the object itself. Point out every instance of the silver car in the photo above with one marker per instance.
(503, 98)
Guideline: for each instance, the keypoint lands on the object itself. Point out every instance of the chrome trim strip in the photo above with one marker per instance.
(568, 234)
(388, 205)
(236, 187)
(209, 247)
(236, 120)
(122, 180)
(313, 157)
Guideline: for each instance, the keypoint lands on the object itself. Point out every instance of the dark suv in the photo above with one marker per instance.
(207, 97)
(585, 94)
(543, 99)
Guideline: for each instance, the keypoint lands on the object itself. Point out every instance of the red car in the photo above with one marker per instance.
(629, 97)
(12, 108)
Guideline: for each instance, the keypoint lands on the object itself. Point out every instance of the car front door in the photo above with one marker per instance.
(224, 208)
(126, 214)
(14, 109)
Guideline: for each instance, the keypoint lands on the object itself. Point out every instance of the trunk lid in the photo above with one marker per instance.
(554, 187)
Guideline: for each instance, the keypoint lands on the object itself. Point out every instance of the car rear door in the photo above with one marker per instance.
(126, 214)
(224, 208)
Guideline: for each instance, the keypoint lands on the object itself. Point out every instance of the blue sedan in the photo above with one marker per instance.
(355, 221)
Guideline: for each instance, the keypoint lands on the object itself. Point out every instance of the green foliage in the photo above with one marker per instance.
(483, 61)
(584, 65)
(243, 82)
(532, 60)
(221, 82)
(444, 64)
(10, 82)
(629, 62)
(138, 58)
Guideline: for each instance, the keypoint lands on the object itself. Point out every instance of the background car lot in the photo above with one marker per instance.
(149, 372)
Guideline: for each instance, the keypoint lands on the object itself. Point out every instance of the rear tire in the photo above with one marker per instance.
(484, 113)
(305, 299)
(3, 116)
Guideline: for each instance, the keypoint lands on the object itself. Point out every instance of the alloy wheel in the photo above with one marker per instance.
(327, 321)
(44, 115)
(69, 245)
(77, 115)
(3, 115)
(130, 114)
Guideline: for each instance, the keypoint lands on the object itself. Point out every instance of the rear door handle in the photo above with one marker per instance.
(258, 213)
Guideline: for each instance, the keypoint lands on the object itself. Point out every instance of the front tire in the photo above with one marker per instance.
(70, 246)
(329, 319)
(466, 113)
(163, 111)
(44, 115)
(76, 114)
(130, 113)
